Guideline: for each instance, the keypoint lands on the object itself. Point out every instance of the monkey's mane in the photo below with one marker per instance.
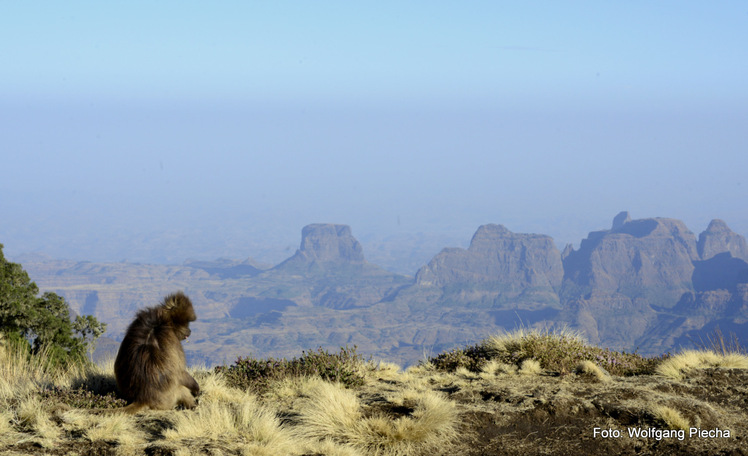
(154, 351)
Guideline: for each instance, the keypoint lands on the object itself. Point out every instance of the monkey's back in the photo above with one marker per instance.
(150, 357)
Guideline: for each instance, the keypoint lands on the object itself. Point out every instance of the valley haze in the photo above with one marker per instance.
(649, 285)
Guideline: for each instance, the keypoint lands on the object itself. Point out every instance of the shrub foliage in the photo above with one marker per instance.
(42, 323)
(83, 398)
(558, 352)
(256, 374)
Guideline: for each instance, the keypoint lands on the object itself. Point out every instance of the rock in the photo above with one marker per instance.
(718, 238)
(568, 250)
(621, 219)
(226, 268)
(498, 265)
(616, 280)
(329, 270)
(327, 243)
(720, 272)
(649, 258)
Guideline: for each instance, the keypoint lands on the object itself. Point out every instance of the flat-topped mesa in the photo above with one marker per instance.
(328, 243)
(718, 238)
(499, 258)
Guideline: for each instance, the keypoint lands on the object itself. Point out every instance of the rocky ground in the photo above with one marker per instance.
(573, 415)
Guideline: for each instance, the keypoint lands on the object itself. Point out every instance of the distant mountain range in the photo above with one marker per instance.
(649, 285)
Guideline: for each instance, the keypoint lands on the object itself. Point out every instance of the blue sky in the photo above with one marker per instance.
(157, 131)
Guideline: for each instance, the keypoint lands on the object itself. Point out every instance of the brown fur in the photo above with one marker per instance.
(150, 368)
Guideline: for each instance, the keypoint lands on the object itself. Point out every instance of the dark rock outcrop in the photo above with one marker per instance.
(621, 219)
(720, 272)
(718, 238)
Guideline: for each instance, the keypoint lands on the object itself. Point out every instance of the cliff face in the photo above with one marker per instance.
(649, 258)
(618, 277)
(718, 238)
(499, 265)
(649, 284)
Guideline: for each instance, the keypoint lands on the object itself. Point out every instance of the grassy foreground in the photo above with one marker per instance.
(518, 393)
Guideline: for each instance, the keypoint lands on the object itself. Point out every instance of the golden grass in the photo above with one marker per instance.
(495, 367)
(334, 413)
(21, 374)
(675, 366)
(231, 419)
(33, 417)
(387, 371)
(530, 367)
(7, 432)
(118, 427)
(588, 368)
(671, 417)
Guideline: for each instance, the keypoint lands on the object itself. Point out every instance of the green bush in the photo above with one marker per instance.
(256, 374)
(42, 323)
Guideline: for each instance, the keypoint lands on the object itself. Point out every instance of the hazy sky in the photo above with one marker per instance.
(161, 130)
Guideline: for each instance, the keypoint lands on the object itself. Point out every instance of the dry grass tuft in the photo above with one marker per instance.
(98, 378)
(332, 412)
(245, 427)
(588, 368)
(213, 388)
(20, 374)
(231, 419)
(387, 371)
(671, 417)
(33, 417)
(675, 366)
(118, 427)
(7, 432)
(497, 368)
(719, 343)
(530, 367)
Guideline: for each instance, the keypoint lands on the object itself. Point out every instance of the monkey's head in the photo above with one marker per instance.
(183, 332)
(180, 312)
